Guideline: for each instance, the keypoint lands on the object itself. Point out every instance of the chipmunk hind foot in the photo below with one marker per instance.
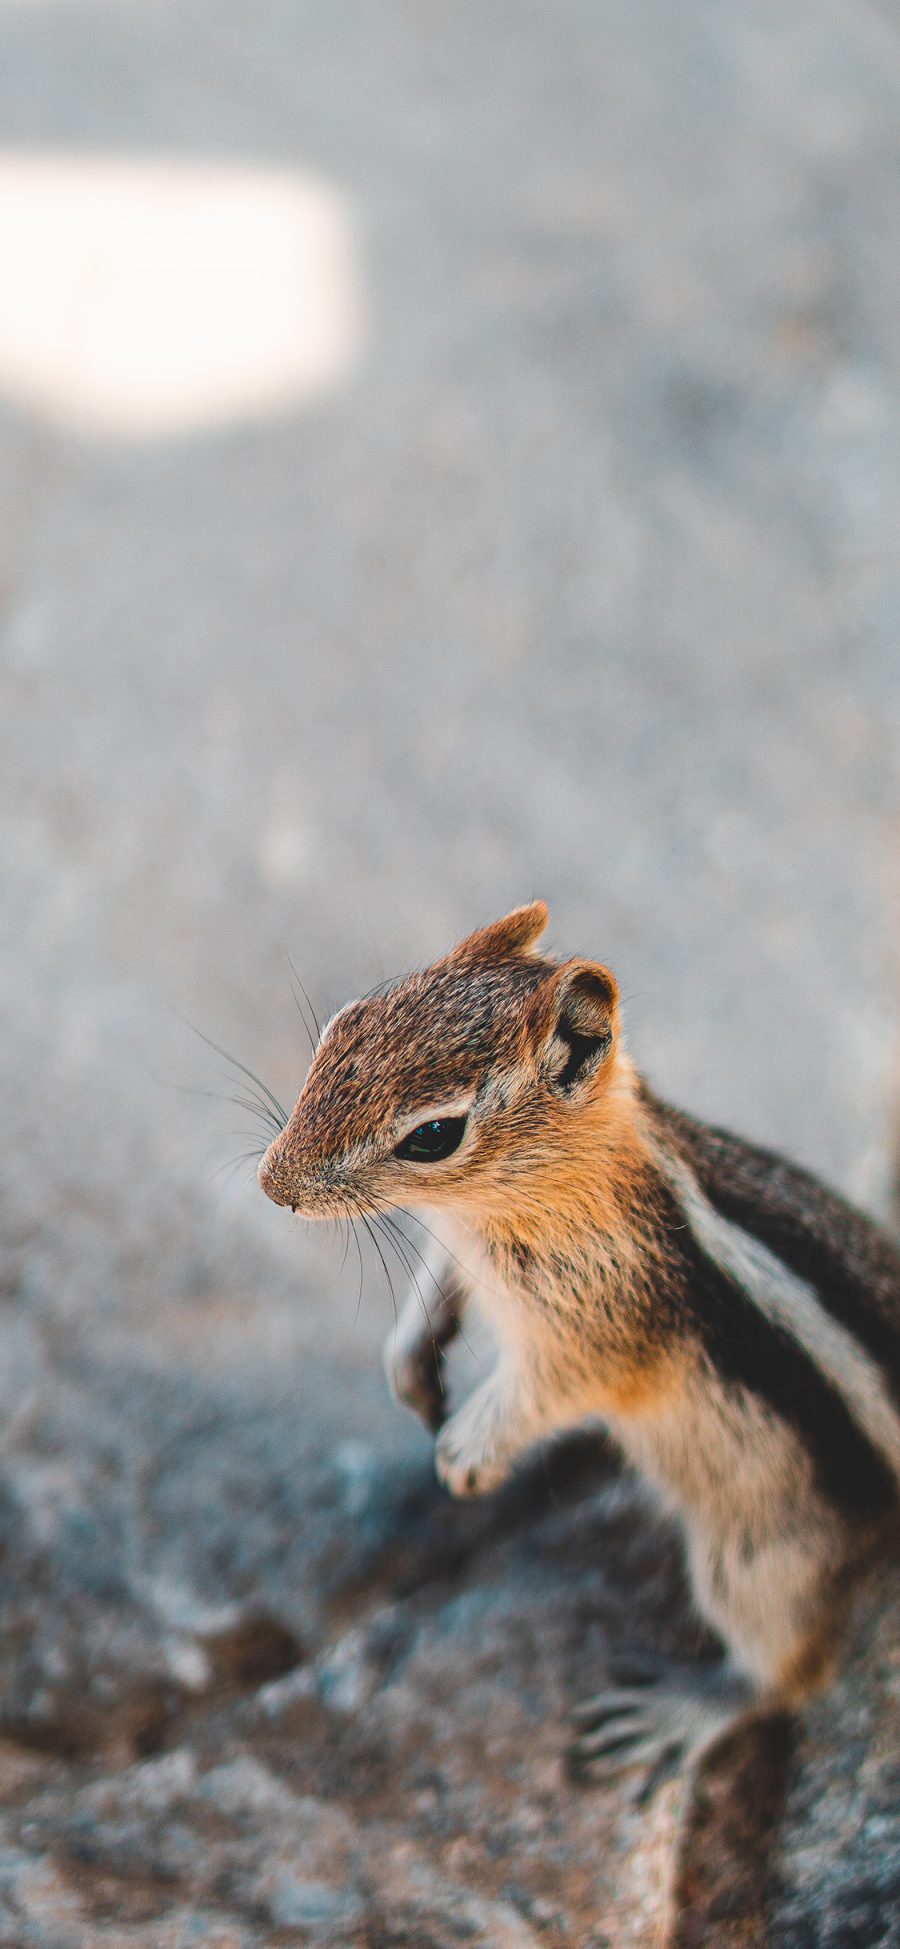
(659, 1718)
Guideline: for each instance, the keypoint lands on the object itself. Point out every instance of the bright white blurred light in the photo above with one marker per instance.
(142, 299)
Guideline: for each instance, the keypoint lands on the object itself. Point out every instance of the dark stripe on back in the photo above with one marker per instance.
(749, 1351)
(852, 1264)
(836, 1289)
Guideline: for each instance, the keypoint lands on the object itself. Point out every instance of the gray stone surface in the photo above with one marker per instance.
(584, 583)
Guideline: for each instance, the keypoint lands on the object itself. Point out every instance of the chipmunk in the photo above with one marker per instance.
(733, 1323)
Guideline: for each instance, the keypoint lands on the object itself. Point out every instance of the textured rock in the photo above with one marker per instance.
(583, 584)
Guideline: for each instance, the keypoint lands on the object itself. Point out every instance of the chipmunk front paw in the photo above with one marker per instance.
(471, 1456)
(415, 1373)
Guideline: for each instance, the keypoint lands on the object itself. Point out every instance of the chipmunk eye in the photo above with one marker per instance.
(429, 1142)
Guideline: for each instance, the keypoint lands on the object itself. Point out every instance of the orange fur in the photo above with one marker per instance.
(615, 1285)
(810, 1667)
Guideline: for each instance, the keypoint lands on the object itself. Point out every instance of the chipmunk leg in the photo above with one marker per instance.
(414, 1352)
(478, 1446)
(781, 1620)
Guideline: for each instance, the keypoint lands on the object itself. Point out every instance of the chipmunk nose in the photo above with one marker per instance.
(270, 1176)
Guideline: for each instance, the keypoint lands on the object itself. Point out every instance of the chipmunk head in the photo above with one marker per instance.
(454, 1085)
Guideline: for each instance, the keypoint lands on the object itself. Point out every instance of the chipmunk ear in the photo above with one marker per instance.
(584, 1017)
(518, 933)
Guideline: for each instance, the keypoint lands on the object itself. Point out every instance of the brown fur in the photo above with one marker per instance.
(735, 1324)
(808, 1669)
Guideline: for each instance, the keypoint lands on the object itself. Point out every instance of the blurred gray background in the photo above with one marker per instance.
(448, 455)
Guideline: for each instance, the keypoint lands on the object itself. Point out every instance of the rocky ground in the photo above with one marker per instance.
(579, 579)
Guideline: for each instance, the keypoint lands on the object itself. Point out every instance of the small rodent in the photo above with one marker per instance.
(734, 1323)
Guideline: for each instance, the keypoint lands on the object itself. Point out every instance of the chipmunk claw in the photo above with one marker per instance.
(656, 1724)
(622, 1729)
(462, 1475)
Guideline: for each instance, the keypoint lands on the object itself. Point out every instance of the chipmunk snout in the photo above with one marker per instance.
(287, 1183)
(271, 1176)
